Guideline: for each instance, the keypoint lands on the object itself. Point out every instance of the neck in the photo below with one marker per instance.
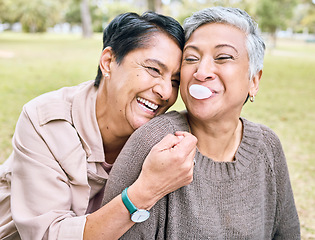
(218, 140)
(113, 135)
(112, 141)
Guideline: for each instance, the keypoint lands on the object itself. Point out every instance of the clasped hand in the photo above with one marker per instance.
(168, 166)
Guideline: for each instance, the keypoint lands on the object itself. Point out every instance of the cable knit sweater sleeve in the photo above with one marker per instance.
(286, 224)
(128, 165)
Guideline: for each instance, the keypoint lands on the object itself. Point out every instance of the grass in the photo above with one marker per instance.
(34, 64)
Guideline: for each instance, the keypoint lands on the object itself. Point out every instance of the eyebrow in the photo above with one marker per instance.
(155, 61)
(226, 45)
(191, 46)
(161, 65)
(217, 46)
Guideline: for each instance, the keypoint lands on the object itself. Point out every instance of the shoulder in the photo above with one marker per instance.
(169, 122)
(157, 128)
(65, 93)
(262, 142)
(54, 105)
(48, 120)
(260, 132)
(173, 119)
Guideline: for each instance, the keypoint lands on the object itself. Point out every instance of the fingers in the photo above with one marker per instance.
(181, 146)
(168, 142)
(188, 141)
(188, 146)
(169, 164)
(182, 133)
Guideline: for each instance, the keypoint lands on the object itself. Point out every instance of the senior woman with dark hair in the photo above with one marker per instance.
(66, 141)
(241, 187)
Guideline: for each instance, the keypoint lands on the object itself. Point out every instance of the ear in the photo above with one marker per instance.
(254, 84)
(106, 58)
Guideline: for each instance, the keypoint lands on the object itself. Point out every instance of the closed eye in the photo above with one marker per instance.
(154, 72)
(190, 59)
(224, 58)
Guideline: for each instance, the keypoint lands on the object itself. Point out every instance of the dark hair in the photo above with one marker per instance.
(129, 31)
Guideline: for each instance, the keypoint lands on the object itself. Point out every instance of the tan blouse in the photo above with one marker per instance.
(55, 168)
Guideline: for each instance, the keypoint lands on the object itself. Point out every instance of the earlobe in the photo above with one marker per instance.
(254, 84)
(105, 61)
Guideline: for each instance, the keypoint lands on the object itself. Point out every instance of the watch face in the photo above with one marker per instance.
(140, 215)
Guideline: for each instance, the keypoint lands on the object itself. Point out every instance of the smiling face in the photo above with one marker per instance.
(215, 56)
(145, 84)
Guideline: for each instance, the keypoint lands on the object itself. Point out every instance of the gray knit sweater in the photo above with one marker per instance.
(250, 198)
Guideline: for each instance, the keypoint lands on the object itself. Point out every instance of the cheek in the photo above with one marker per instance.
(184, 81)
(238, 91)
(173, 98)
(186, 73)
(183, 92)
(187, 70)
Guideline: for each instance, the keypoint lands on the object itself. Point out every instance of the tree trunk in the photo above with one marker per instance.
(273, 36)
(86, 19)
(158, 6)
(154, 5)
(151, 5)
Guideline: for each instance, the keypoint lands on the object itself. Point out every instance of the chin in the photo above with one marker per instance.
(139, 123)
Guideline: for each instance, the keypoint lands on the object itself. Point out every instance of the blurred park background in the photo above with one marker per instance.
(48, 44)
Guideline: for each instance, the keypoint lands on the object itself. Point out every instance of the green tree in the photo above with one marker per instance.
(72, 14)
(34, 15)
(4, 11)
(100, 12)
(273, 15)
(37, 15)
(79, 13)
(308, 19)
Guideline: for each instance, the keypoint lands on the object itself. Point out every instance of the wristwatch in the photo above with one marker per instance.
(137, 215)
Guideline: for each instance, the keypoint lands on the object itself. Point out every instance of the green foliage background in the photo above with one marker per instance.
(34, 64)
(39, 15)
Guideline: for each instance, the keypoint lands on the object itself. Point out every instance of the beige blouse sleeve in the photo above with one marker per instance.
(49, 192)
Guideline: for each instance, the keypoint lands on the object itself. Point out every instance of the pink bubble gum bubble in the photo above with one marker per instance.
(199, 92)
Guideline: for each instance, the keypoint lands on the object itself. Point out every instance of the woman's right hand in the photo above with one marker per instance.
(168, 166)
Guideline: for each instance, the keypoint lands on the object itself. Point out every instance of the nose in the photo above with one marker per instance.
(164, 89)
(205, 71)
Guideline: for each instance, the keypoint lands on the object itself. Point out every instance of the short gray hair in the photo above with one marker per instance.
(239, 19)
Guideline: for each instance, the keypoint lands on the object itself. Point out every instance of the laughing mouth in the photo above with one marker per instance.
(147, 104)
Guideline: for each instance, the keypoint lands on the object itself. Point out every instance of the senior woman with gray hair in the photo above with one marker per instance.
(241, 187)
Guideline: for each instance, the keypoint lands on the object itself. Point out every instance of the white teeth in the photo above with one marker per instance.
(148, 104)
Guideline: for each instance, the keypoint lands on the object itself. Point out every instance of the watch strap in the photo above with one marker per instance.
(128, 204)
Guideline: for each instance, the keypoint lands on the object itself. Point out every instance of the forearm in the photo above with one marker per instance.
(109, 222)
(113, 219)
